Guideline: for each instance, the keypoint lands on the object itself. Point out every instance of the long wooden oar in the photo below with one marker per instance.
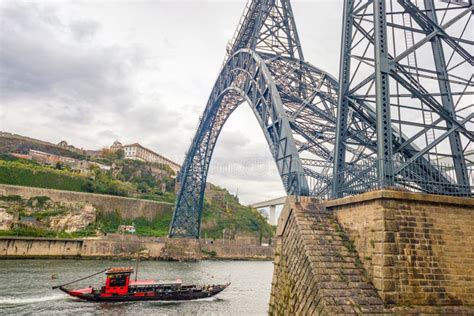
(58, 286)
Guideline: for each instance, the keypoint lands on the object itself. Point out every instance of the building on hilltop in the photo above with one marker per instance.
(116, 145)
(136, 151)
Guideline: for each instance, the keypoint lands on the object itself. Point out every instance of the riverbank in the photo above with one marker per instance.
(118, 246)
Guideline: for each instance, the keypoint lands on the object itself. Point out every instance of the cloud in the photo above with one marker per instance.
(107, 133)
(83, 30)
(46, 60)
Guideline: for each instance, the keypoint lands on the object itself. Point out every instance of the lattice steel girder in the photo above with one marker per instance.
(371, 40)
(343, 101)
(382, 96)
(445, 87)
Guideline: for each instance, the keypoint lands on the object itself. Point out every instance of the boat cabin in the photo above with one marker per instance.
(117, 281)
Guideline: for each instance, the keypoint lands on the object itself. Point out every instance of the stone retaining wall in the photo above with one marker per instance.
(29, 248)
(24, 247)
(121, 249)
(129, 208)
(236, 251)
(127, 246)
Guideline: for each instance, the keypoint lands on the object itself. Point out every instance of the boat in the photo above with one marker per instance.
(119, 288)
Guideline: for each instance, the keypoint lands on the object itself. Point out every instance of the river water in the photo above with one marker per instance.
(25, 287)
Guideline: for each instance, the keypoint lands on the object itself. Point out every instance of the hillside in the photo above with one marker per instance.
(126, 178)
(223, 211)
(12, 143)
(131, 178)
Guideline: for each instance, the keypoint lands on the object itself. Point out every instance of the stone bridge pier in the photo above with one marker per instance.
(382, 252)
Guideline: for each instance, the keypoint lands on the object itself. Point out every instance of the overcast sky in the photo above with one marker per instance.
(91, 72)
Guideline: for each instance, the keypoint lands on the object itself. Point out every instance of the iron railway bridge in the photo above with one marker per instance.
(399, 114)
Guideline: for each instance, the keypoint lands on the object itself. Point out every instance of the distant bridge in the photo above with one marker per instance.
(272, 204)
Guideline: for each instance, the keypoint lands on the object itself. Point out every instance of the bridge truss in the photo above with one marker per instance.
(324, 146)
(411, 62)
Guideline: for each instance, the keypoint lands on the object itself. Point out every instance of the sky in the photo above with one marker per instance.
(92, 72)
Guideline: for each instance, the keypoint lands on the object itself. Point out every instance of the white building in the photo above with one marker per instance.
(138, 152)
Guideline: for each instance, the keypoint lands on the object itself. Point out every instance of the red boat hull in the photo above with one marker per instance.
(89, 295)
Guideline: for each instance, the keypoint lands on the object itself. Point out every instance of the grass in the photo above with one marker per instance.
(223, 211)
(38, 201)
(128, 182)
(11, 198)
(49, 213)
(168, 197)
(33, 231)
(211, 253)
(156, 227)
(25, 174)
(28, 231)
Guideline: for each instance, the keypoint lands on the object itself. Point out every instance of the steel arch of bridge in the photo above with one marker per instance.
(244, 77)
(297, 106)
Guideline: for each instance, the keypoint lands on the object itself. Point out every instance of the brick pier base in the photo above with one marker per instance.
(418, 249)
(316, 268)
(383, 252)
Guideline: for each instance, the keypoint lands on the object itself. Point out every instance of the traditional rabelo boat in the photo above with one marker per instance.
(119, 288)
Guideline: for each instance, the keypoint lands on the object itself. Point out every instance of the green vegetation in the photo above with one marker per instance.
(108, 156)
(158, 226)
(38, 209)
(234, 219)
(11, 198)
(159, 196)
(38, 201)
(129, 178)
(211, 253)
(222, 211)
(23, 172)
(43, 214)
(34, 231)
(102, 182)
(28, 231)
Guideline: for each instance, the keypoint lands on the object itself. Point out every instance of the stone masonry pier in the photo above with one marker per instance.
(316, 268)
(418, 249)
(383, 252)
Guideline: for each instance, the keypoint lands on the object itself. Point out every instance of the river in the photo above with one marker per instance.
(25, 287)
